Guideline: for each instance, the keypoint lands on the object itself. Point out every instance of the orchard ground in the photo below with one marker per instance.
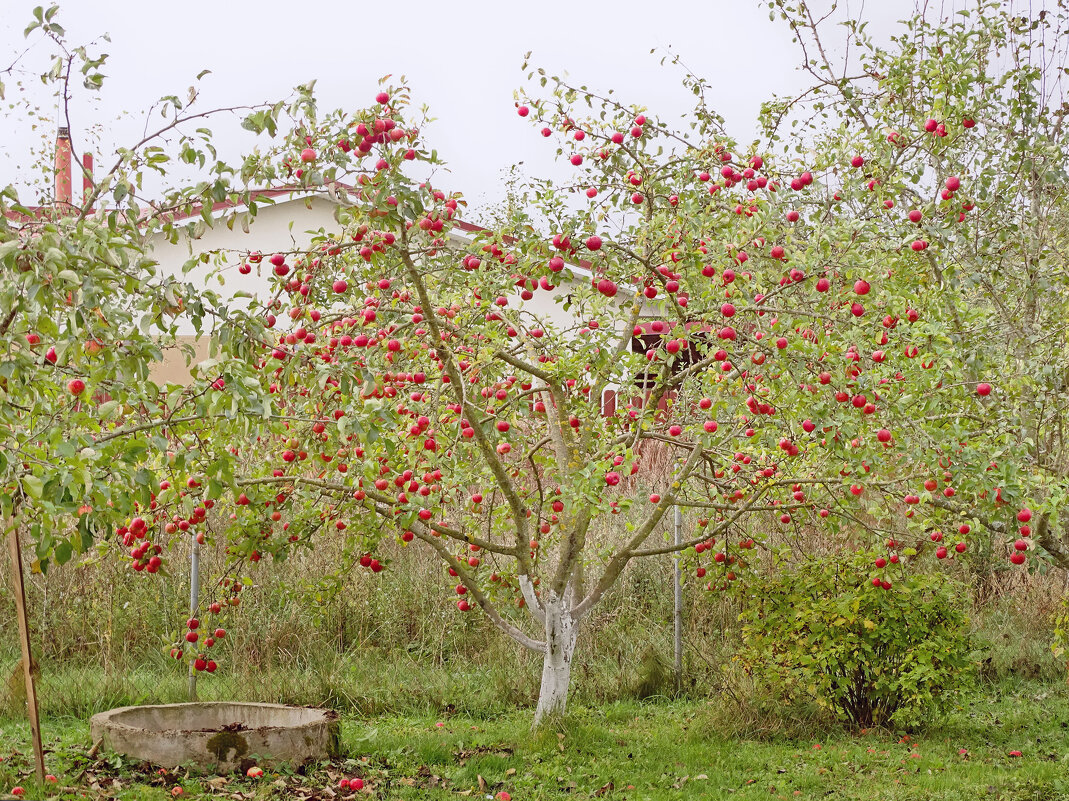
(395, 662)
(653, 750)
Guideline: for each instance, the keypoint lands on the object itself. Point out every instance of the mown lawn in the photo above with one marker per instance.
(666, 750)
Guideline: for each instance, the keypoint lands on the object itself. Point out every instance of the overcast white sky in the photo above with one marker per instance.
(461, 58)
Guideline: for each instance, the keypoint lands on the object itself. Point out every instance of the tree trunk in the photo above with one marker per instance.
(561, 632)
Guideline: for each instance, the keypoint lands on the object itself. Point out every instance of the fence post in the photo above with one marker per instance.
(678, 634)
(194, 603)
(27, 655)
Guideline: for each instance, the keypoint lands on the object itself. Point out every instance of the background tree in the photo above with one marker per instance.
(981, 95)
(86, 438)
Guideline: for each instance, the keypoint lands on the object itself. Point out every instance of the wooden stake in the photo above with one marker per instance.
(27, 658)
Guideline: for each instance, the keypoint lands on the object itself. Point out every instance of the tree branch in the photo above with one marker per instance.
(519, 511)
(620, 560)
(468, 581)
(1051, 543)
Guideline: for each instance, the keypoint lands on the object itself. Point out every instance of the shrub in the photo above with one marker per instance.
(820, 630)
(1060, 644)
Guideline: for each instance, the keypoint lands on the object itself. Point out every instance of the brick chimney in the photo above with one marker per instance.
(87, 175)
(64, 180)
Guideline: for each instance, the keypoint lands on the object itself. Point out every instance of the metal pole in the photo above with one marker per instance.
(27, 655)
(678, 638)
(194, 603)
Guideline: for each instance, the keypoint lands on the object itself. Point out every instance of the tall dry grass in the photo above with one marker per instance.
(395, 641)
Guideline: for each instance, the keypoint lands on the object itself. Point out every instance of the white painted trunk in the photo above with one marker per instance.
(561, 632)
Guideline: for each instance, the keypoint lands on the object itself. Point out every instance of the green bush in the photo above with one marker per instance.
(819, 630)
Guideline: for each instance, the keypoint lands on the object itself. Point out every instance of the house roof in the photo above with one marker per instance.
(285, 194)
(291, 193)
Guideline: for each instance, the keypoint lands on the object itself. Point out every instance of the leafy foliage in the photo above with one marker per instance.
(1061, 631)
(978, 94)
(820, 629)
(85, 312)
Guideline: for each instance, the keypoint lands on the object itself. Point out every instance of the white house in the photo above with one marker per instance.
(287, 220)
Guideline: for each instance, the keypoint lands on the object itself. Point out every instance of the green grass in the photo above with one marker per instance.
(395, 661)
(660, 750)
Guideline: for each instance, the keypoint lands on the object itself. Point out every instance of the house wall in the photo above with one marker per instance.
(286, 226)
(173, 368)
(283, 226)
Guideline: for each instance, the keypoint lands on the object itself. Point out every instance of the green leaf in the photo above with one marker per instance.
(107, 409)
(32, 486)
(62, 552)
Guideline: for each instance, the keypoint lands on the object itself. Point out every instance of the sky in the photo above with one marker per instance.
(462, 59)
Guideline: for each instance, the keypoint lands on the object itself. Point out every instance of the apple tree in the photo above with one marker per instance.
(681, 321)
(804, 333)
